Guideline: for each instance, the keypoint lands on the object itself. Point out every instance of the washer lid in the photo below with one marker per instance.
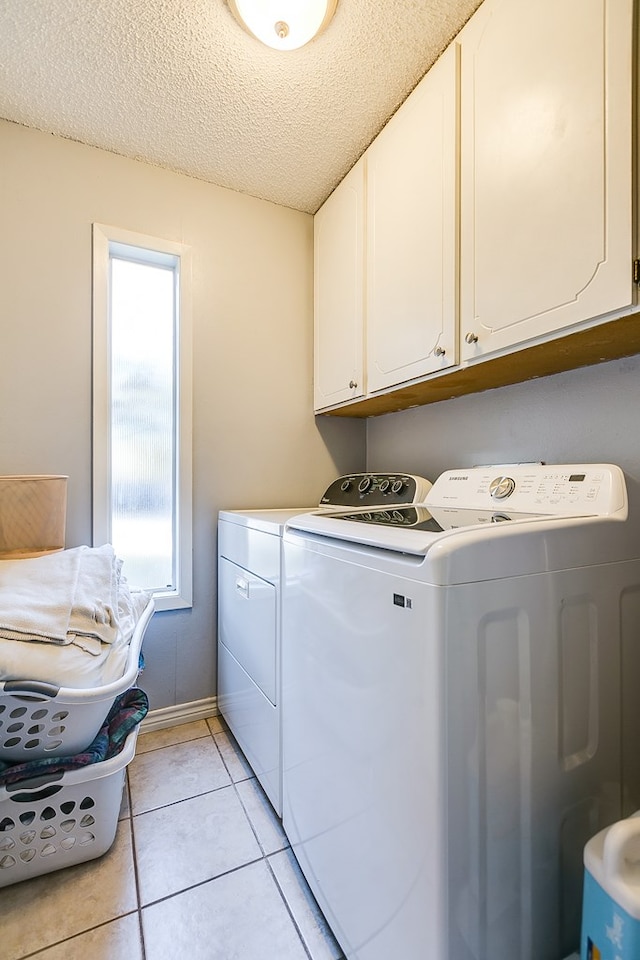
(406, 530)
(434, 520)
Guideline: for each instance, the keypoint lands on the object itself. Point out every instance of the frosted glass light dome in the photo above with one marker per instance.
(283, 24)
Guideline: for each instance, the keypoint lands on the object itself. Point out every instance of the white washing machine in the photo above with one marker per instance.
(249, 611)
(460, 709)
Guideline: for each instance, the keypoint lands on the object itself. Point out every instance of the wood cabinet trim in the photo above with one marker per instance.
(607, 341)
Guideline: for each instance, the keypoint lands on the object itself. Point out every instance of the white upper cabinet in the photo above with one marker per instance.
(411, 265)
(339, 293)
(546, 175)
(490, 217)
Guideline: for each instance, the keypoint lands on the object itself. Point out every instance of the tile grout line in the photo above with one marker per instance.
(265, 855)
(288, 908)
(119, 916)
(81, 933)
(174, 803)
(200, 883)
(140, 905)
(225, 873)
(134, 850)
(163, 746)
(234, 784)
(265, 858)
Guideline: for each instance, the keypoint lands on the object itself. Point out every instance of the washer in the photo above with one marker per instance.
(249, 611)
(460, 709)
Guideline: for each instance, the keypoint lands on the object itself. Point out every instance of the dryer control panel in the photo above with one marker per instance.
(375, 489)
(596, 489)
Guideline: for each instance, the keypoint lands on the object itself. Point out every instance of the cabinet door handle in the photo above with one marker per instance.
(471, 338)
(439, 351)
(242, 586)
(352, 384)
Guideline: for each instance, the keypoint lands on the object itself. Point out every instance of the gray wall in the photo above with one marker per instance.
(256, 442)
(587, 415)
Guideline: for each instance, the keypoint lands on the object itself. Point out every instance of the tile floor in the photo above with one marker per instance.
(200, 870)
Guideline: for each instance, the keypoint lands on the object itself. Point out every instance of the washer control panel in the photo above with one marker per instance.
(375, 489)
(533, 489)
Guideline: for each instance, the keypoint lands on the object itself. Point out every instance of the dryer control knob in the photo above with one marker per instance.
(502, 487)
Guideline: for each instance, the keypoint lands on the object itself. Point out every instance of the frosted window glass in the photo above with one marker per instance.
(143, 433)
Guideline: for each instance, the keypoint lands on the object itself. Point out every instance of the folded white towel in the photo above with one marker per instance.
(69, 665)
(65, 597)
(94, 612)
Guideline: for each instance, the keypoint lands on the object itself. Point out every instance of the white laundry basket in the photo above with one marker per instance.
(58, 820)
(40, 720)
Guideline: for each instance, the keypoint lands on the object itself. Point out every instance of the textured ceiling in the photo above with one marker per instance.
(178, 83)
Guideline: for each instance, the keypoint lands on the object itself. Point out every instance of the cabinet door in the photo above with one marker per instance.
(339, 293)
(546, 168)
(412, 234)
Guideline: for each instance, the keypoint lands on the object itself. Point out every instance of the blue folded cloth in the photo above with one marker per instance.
(127, 711)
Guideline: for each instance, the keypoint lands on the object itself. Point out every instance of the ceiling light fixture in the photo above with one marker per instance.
(283, 24)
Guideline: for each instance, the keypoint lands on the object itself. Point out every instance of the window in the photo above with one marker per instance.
(142, 409)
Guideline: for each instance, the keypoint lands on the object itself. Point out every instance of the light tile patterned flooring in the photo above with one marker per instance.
(200, 870)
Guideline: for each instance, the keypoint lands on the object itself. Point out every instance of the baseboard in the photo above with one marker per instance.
(180, 713)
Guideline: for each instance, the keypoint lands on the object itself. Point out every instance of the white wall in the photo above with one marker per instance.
(587, 415)
(256, 443)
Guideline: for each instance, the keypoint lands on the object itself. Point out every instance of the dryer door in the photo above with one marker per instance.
(248, 623)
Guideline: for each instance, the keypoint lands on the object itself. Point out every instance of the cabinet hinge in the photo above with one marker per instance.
(636, 271)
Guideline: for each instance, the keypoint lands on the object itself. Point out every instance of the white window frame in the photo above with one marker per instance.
(103, 237)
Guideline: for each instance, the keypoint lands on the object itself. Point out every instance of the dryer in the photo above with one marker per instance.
(460, 709)
(249, 610)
